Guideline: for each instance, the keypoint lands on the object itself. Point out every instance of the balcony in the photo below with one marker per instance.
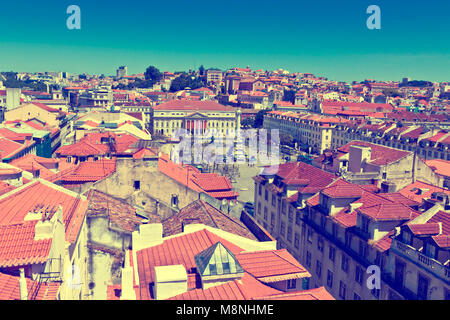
(431, 265)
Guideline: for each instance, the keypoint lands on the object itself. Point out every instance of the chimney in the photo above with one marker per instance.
(357, 156)
(147, 236)
(23, 285)
(387, 187)
(128, 292)
(169, 281)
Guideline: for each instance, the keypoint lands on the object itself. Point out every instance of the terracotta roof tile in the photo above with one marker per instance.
(202, 212)
(42, 193)
(10, 290)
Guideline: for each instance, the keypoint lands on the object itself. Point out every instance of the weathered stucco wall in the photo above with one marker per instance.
(155, 190)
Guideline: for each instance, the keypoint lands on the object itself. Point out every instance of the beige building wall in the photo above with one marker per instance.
(30, 111)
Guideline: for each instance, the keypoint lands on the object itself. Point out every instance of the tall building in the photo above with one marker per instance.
(337, 230)
(122, 71)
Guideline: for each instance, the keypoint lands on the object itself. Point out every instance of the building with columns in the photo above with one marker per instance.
(195, 116)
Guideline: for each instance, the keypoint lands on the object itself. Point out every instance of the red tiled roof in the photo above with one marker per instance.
(144, 152)
(9, 148)
(271, 265)
(244, 289)
(399, 198)
(442, 241)
(444, 218)
(91, 145)
(441, 167)
(419, 190)
(202, 212)
(380, 155)
(5, 187)
(82, 148)
(318, 179)
(356, 106)
(192, 105)
(42, 193)
(343, 191)
(312, 294)
(90, 171)
(385, 211)
(18, 247)
(120, 214)
(10, 289)
(177, 250)
(424, 229)
(216, 186)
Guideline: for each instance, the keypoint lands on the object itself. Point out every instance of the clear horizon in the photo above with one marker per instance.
(327, 39)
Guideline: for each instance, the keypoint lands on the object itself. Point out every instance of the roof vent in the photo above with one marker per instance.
(170, 281)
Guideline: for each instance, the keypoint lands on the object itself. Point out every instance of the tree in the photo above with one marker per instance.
(289, 95)
(201, 70)
(259, 119)
(186, 81)
(248, 122)
(152, 74)
(286, 139)
(391, 93)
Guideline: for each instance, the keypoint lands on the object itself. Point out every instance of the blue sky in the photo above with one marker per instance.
(325, 37)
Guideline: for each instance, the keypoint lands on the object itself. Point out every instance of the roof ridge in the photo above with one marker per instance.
(276, 252)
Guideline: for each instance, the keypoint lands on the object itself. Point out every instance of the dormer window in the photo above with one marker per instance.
(365, 224)
(406, 237)
(430, 251)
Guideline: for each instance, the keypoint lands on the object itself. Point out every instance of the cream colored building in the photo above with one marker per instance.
(195, 117)
(311, 131)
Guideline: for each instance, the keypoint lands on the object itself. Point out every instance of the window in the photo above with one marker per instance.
(297, 218)
(356, 296)
(358, 275)
(296, 240)
(260, 188)
(310, 235)
(342, 290)
(430, 251)
(362, 248)
(320, 244)
(274, 201)
(292, 284)
(318, 268)
(422, 287)
(291, 214)
(365, 224)
(272, 220)
(406, 237)
(344, 264)
(308, 258)
(265, 213)
(323, 222)
(332, 253)
(266, 195)
(137, 185)
(334, 230)
(348, 239)
(212, 268)
(282, 228)
(289, 234)
(174, 200)
(330, 279)
(226, 267)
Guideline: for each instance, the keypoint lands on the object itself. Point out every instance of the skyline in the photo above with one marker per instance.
(327, 39)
